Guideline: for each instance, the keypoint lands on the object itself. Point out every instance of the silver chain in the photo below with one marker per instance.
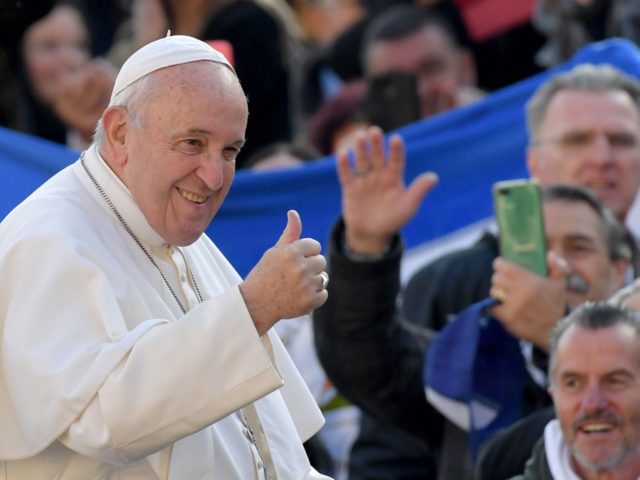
(138, 242)
(266, 458)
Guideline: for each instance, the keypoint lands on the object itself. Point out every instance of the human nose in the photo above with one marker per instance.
(601, 150)
(71, 57)
(211, 171)
(593, 399)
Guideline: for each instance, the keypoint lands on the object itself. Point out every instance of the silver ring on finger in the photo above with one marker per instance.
(325, 279)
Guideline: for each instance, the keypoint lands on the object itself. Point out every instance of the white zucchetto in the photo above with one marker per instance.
(165, 52)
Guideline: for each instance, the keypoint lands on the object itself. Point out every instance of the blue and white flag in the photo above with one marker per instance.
(469, 148)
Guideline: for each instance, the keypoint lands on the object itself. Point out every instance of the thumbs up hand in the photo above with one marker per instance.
(287, 281)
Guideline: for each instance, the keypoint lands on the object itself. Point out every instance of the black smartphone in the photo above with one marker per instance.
(518, 209)
(391, 100)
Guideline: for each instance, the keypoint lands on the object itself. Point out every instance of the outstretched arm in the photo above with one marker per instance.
(370, 358)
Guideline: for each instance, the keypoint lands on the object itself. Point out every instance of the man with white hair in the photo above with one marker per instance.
(130, 346)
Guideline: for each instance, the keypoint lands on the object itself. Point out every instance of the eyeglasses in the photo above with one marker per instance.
(576, 141)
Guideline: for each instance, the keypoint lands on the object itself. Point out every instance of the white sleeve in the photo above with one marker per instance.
(159, 393)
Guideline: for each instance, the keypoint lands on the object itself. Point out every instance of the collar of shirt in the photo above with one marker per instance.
(558, 452)
(120, 196)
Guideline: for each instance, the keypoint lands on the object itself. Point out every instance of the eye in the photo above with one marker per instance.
(622, 140)
(570, 384)
(47, 47)
(575, 139)
(617, 382)
(230, 153)
(191, 146)
(580, 248)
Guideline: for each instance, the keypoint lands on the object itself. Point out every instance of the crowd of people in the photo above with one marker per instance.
(131, 348)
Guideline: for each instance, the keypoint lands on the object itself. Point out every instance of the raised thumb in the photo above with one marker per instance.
(292, 231)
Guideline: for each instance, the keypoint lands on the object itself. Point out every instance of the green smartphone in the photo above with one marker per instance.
(518, 209)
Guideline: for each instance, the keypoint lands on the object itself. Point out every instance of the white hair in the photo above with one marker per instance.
(132, 99)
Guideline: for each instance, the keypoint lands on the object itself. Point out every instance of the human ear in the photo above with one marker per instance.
(115, 124)
(114, 121)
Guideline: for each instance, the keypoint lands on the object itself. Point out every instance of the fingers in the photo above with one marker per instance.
(364, 140)
(376, 154)
(307, 247)
(420, 187)
(369, 155)
(343, 167)
(396, 160)
(505, 275)
(498, 293)
(292, 230)
(287, 282)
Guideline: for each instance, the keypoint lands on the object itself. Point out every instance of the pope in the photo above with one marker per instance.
(131, 348)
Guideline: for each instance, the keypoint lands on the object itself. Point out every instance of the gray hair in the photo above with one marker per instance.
(592, 316)
(132, 99)
(135, 96)
(586, 77)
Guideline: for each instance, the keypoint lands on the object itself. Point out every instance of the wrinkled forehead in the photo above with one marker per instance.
(201, 96)
(562, 214)
(601, 349)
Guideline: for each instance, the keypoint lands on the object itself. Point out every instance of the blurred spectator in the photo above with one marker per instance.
(570, 24)
(413, 40)
(15, 17)
(63, 91)
(503, 55)
(336, 123)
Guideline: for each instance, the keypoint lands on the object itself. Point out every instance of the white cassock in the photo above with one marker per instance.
(102, 376)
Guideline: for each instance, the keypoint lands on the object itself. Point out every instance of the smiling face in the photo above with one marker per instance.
(178, 158)
(590, 139)
(575, 232)
(596, 392)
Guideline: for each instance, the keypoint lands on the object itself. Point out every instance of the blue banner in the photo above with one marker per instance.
(469, 148)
